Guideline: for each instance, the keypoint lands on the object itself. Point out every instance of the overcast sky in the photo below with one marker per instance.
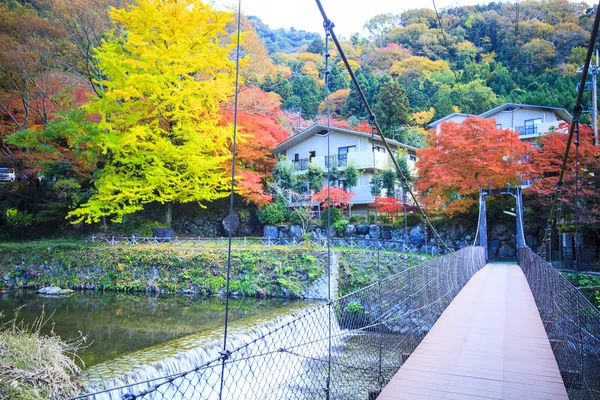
(349, 16)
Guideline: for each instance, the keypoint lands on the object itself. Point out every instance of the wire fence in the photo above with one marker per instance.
(572, 324)
(244, 242)
(348, 348)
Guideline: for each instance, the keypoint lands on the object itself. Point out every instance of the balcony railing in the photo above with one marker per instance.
(301, 165)
(527, 130)
(336, 160)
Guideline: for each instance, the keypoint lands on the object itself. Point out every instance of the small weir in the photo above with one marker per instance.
(267, 339)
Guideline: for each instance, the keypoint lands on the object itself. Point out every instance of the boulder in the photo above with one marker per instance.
(163, 233)
(54, 291)
(506, 252)
(270, 232)
(362, 229)
(231, 223)
(374, 231)
(493, 248)
(283, 228)
(351, 229)
(296, 231)
(510, 233)
(457, 231)
(417, 235)
(498, 231)
(387, 235)
(386, 227)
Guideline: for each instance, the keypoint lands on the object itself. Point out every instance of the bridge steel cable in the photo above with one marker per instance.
(328, 24)
(225, 353)
(577, 109)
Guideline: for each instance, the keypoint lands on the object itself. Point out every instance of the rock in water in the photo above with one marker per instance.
(54, 291)
(231, 223)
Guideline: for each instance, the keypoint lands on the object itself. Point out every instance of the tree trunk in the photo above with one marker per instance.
(169, 215)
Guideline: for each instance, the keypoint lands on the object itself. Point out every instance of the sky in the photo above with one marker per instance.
(349, 16)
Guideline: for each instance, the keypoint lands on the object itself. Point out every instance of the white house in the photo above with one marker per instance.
(346, 146)
(530, 121)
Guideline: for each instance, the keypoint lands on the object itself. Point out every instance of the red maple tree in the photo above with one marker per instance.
(338, 197)
(462, 158)
(546, 162)
(258, 133)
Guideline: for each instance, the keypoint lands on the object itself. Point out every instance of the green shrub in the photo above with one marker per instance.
(414, 219)
(357, 219)
(336, 215)
(340, 226)
(272, 214)
(384, 219)
(135, 224)
(15, 217)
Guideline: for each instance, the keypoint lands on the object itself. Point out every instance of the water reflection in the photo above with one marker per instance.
(118, 323)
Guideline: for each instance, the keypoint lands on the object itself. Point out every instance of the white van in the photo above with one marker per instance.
(7, 175)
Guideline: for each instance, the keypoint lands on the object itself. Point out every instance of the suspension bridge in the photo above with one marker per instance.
(454, 327)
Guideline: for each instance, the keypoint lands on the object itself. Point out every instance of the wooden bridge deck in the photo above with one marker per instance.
(490, 343)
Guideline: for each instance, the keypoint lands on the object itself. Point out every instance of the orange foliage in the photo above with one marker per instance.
(465, 157)
(546, 162)
(387, 204)
(258, 133)
(338, 197)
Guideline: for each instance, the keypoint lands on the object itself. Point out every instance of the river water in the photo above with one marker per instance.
(117, 324)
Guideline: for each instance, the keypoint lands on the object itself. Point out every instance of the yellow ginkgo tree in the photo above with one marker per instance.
(166, 69)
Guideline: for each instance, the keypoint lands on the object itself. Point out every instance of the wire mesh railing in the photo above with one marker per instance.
(572, 324)
(348, 348)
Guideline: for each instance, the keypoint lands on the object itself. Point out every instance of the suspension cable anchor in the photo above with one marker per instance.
(328, 25)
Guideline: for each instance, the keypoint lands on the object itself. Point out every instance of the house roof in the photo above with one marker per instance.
(447, 117)
(318, 128)
(561, 112)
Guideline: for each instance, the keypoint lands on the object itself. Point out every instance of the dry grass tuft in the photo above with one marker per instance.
(36, 366)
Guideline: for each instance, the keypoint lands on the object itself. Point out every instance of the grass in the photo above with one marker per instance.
(36, 366)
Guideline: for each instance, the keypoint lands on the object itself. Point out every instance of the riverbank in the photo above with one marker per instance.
(145, 268)
(290, 272)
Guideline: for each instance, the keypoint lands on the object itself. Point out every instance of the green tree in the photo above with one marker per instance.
(306, 90)
(317, 46)
(391, 107)
(160, 127)
(315, 175)
(351, 175)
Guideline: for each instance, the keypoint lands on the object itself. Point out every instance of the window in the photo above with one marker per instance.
(296, 157)
(499, 126)
(412, 158)
(531, 126)
(343, 154)
(379, 149)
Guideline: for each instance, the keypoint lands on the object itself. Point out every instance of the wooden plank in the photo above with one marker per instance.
(490, 343)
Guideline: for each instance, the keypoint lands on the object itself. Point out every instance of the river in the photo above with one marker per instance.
(116, 324)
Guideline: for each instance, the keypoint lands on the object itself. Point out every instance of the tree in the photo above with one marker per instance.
(258, 133)
(546, 162)
(331, 195)
(159, 113)
(351, 175)
(317, 46)
(462, 158)
(388, 182)
(379, 26)
(390, 205)
(391, 107)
